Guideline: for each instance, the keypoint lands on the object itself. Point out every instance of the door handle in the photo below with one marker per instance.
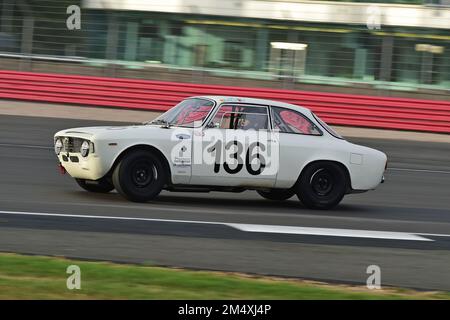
(183, 136)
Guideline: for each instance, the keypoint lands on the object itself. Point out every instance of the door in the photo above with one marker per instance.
(237, 148)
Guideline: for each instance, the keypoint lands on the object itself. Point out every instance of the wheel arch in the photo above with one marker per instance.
(342, 165)
(145, 147)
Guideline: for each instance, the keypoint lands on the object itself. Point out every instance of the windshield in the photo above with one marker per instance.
(327, 127)
(188, 113)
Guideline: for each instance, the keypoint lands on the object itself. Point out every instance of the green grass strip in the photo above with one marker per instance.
(36, 277)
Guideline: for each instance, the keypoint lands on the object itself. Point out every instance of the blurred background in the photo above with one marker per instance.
(396, 48)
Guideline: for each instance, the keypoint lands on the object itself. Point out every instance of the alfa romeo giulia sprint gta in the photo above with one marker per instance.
(216, 143)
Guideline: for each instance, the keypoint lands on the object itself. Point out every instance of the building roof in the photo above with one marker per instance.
(387, 14)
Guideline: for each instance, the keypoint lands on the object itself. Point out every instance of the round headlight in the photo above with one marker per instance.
(85, 146)
(58, 146)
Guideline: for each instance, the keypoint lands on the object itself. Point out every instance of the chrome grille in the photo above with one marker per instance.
(71, 144)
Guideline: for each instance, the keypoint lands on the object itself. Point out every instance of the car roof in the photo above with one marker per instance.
(222, 99)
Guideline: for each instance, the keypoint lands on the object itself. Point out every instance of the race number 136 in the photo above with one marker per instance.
(235, 150)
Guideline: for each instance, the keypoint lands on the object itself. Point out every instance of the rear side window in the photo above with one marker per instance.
(290, 121)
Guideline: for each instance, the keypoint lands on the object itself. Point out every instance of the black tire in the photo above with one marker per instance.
(322, 185)
(98, 186)
(140, 176)
(276, 194)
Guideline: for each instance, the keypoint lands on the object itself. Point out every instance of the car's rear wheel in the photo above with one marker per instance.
(140, 176)
(322, 185)
(276, 194)
(99, 186)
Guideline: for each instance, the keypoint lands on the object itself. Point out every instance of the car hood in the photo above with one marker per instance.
(103, 131)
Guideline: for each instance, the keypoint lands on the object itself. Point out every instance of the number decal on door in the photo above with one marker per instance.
(238, 148)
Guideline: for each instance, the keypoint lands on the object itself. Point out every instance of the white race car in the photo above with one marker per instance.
(216, 143)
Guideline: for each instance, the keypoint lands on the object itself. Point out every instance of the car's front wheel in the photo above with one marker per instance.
(99, 186)
(322, 185)
(139, 176)
(276, 194)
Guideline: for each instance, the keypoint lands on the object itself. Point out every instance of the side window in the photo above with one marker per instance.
(290, 121)
(242, 117)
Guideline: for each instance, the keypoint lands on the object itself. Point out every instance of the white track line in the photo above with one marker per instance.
(371, 234)
(352, 233)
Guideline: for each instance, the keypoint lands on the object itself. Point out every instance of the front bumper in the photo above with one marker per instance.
(90, 168)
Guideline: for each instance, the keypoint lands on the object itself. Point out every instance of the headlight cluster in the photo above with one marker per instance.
(84, 149)
(58, 146)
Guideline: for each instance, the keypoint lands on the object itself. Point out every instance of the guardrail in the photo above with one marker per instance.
(338, 109)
